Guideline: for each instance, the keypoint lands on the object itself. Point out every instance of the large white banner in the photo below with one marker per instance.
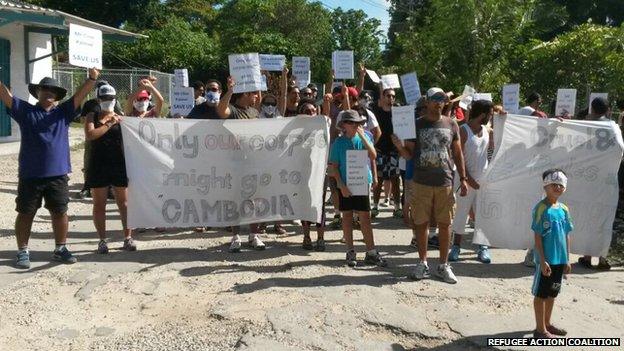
(590, 154)
(193, 173)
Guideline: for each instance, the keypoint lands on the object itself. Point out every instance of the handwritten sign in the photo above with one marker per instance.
(181, 77)
(467, 96)
(342, 64)
(183, 101)
(511, 98)
(301, 70)
(245, 69)
(592, 96)
(357, 172)
(404, 121)
(373, 76)
(482, 96)
(566, 102)
(85, 46)
(390, 81)
(272, 62)
(411, 88)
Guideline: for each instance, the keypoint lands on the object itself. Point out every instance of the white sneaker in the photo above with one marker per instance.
(528, 259)
(445, 272)
(235, 245)
(255, 242)
(421, 271)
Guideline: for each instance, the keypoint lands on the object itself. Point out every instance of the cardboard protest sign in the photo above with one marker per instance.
(181, 77)
(404, 121)
(411, 87)
(390, 81)
(183, 101)
(373, 76)
(358, 166)
(245, 69)
(592, 96)
(566, 102)
(85, 46)
(511, 98)
(342, 64)
(482, 96)
(301, 70)
(588, 152)
(192, 173)
(467, 96)
(272, 62)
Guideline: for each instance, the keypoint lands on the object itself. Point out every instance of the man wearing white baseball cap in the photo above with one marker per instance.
(435, 152)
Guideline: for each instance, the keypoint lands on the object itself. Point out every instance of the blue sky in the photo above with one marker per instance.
(373, 8)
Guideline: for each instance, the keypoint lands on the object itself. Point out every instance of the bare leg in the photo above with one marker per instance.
(121, 197)
(539, 305)
(457, 238)
(367, 229)
(550, 303)
(377, 193)
(23, 226)
(444, 235)
(422, 233)
(347, 228)
(396, 191)
(387, 186)
(99, 196)
(60, 224)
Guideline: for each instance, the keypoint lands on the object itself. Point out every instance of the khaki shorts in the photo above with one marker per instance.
(431, 203)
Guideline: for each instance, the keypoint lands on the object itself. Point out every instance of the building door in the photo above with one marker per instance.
(5, 77)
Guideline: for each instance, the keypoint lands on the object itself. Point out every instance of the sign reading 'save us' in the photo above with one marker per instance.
(85, 46)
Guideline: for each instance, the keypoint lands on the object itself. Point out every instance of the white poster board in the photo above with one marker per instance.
(301, 70)
(358, 165)
(218, 173)
(373, 76)
(181, 77)
(245, 69)
(592, 96)
(482, 96)
(467, 96)
(590, 154)
(274, 63)
(182, 101)
(390, 81)
(404, 121)
(566, 102)
(511, 98)
(342, 64)
(85, 46)
(411, 87)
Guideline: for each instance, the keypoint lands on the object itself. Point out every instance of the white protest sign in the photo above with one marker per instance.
(85, 46)
(373, 76)
(181, 77)
(411, 88)
(588, 152)
(183, 101)
(194, 173)
(357, 172)
(336, 84)
(404, 121)
(390, 81)
(482, 96)
(245, 69)
(511, 98)
(467, 96)
(264, 84)
(342, 64)
(272, 62)
(301, 70)
(566, 102)
(592, 96)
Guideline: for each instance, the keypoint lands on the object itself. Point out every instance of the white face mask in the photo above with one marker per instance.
(141, 106)
(269, 111)
(213, 97)
(108, 106)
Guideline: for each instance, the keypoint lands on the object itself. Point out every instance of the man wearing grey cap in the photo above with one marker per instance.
(435, 152)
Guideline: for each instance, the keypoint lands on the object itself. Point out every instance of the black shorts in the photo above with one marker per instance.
(31, 192)
(545, 287)
(102, 175)
(388, 166)
(353, 203)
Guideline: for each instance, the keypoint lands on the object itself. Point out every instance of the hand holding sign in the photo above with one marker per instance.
(93, 73)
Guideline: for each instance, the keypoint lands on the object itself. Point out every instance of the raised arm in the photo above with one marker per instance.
(326, 108)
(85, 88)
(362, 76)
(372, 153)
(330, 83)
(223, 108)
(5, 96)
(346, 104)
(282, 100)
(159, 101)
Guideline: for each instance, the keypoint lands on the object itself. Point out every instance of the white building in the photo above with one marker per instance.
(26, 49)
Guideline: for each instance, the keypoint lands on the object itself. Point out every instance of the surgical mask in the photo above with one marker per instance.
(213, 97)
(108, 106)
(268, 111)
(141, 106)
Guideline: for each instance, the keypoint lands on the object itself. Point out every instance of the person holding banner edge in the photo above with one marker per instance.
(138, 102)
(44, 159)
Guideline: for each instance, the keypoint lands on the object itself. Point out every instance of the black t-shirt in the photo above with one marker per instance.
(384, 145)
(203, 111)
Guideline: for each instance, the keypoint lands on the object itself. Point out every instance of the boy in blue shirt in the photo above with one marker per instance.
(551, 225)
(353, 138)
(44, 159)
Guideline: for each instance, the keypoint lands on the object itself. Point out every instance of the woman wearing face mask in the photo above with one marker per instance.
(137, 104)
(107, 166)
(269, 108)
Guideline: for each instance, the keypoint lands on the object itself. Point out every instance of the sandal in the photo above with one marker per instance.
(556, 331)
(307, 243)
(585, 262)
(320, 245)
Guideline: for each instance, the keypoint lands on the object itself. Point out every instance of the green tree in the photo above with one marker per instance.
(353, 30)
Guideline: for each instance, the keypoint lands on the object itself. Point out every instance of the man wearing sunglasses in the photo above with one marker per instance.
(435, 152)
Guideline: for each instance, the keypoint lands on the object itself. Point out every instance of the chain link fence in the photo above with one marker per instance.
(125, 81)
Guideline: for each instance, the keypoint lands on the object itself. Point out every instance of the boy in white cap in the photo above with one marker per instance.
(551, 225)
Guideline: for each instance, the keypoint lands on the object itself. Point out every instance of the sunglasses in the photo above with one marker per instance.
(214, 90)
(107, 98)
(350, 122)
(306, 94)
(269, 103)
(438, 98)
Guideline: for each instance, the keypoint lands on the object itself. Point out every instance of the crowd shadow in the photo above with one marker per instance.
(478, 342)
